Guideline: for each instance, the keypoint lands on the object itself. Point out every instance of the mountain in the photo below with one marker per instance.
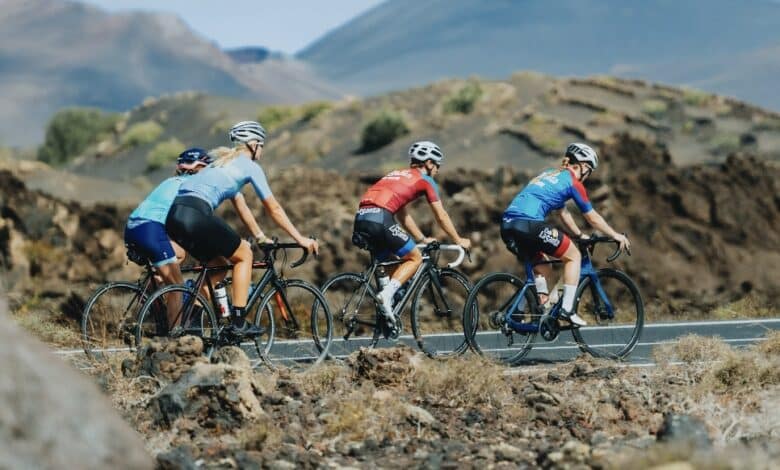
(724, 46)
(251, 55)
(524, 122)
(56, 53)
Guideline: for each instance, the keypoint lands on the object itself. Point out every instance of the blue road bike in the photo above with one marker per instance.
(503, 314)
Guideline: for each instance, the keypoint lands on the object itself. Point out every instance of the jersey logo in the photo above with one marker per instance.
(550, 236)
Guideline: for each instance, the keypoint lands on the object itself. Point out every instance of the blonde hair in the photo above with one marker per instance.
(224, 155)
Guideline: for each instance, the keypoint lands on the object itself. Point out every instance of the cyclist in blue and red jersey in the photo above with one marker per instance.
(145, 231)
(526, 233)
(376, 228)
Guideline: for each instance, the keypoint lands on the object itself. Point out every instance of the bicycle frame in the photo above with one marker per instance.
(587, 270)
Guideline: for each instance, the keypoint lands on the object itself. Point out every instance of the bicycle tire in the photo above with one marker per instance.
(204, 326)
(629, 307)
(441, 344)
(346, 295)
(110, 327)
(287, 348)
(489, 298)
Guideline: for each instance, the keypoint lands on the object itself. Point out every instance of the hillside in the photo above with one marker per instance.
(723, 46)
(62, 53)
(524, 121)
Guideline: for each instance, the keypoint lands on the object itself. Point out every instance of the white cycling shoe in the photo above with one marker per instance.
(573, 318)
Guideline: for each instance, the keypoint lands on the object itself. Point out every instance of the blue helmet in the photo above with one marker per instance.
(191, 158)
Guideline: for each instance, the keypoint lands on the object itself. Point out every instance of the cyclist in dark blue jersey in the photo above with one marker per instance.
(526, 233)
(191, 221)
(145, 233)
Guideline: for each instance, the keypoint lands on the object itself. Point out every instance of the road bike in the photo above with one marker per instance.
(503, 313)
(292, 313)
(437, 296)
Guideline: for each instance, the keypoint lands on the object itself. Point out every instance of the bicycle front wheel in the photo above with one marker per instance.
(615, 314)
(437, 313)
(303, 324)
(484, 323)
(354, 311)
(195, 317)
(109, 318)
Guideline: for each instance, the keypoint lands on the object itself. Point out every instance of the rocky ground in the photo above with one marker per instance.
(705, 406)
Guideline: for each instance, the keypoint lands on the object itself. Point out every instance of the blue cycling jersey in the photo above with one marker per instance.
(156, 205)
(547, 192)
(214, 184)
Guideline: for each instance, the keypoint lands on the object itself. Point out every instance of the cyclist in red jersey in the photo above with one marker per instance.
(376, 228)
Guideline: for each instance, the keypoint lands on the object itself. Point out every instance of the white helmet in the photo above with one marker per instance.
(582, 153)
(426, 150)
(247, 131)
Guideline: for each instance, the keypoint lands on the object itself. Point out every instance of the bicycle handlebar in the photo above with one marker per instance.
(589, 243)
(276, 246)
(435, 245)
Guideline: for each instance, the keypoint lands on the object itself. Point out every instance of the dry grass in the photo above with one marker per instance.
(750, 306)
(464, 381)
(44, 327)
(692, 349)
(363, 413)
(328, 378)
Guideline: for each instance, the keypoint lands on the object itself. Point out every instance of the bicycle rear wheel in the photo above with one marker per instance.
(437, 313)
(303, 324)
(109, 318)
(354, 312)
(196, 320)
(484, 318)
(609, 336)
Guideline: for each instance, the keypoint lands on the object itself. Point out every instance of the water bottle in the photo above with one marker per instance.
(220, 292)
(382, 277)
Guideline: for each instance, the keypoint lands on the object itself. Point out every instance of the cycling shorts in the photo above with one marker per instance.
(150, 241)
(192, 224)
(528, 238)
(377, 231)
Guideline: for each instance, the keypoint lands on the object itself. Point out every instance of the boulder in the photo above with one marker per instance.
(53, 416)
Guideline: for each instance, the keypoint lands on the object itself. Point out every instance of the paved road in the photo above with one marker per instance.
(735, 332)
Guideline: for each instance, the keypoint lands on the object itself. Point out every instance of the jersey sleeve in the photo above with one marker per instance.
(257, 178)
(431, 189)
(580, 196)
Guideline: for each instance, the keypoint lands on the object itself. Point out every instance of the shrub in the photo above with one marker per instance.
(272, 117)
(310, 111)
(726, 143)
(695, 97)
(72, 130)
(164, 154)
(383, 129)
(141, 133)
(463, 100)
(654, 107)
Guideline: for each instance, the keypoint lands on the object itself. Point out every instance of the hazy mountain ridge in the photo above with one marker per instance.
(402, 43)
(62, 53)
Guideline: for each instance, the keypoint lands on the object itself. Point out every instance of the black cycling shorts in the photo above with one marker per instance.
(527, 238)
(192, 224)
(376, 230)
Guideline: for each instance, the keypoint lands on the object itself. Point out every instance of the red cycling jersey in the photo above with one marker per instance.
(399, 188)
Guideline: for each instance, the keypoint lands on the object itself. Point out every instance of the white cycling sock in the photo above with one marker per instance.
(387, 295)
(568, 297)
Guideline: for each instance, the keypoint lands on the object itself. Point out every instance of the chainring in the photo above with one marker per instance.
(548, 327)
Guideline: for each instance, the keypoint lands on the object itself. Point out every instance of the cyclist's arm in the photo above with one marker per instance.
(245, 214)
(408, 222)
(597, 221)
(279, 216)
(568, 221)
(444, 221)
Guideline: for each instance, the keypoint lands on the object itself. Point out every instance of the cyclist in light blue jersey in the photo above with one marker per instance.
(192, 223)
(145, 235)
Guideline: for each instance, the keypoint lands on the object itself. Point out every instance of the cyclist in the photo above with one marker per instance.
(527, 235)
(145, 234)
(376, 228)
(192, 223)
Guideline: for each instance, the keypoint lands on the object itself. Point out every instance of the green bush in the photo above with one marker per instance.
(140, 133)
(384, 128)
(654, 107)
(272, 117)
(72, 130)
(310, 111)
(164, 154)
(463, 100)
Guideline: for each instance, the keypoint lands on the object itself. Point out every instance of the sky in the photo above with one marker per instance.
(286, 26)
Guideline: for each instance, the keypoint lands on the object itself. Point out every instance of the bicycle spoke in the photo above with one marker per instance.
(109, 318)
(437, 314)
(354, 314)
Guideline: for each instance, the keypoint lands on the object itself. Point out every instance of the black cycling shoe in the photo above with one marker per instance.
(247, 330)
(391, 329)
